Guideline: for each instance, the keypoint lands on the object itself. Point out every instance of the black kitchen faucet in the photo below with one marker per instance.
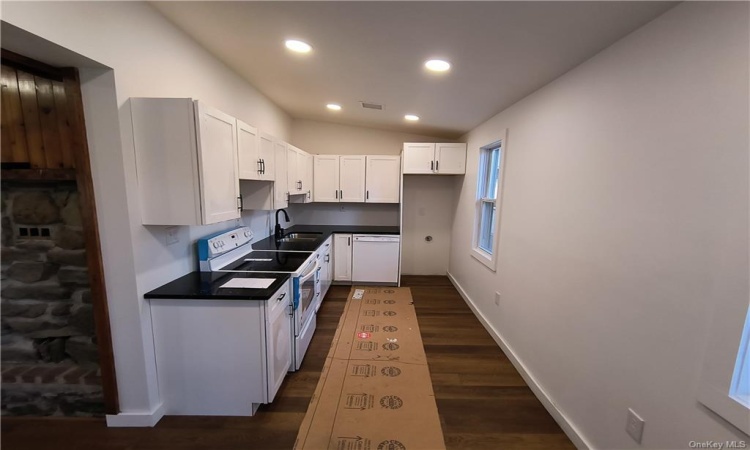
(279, 232)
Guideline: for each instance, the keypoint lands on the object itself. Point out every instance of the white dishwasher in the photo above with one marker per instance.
(375, 258)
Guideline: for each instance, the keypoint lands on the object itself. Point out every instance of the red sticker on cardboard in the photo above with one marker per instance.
(364, 335)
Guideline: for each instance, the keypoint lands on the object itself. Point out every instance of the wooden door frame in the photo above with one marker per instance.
(90, 224)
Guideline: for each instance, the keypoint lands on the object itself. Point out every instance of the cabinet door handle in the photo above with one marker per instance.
(341, 194)
(240, 204)
(260, 167)
(348, 241)
(308, 195)
(281, 297)
(437, 166)
(263, 164)
(432, 165)
(367, 195)
(328, 258)
(337, 193)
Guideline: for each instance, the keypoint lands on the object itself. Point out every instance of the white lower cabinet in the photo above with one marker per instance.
(326, 263)
(221, 357)
(278, 341)
(342, 259)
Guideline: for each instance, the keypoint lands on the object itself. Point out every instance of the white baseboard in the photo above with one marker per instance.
(567, 426)
(141, 419)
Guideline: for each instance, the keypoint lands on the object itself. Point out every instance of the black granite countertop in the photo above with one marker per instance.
(206, 286)
(325, 231)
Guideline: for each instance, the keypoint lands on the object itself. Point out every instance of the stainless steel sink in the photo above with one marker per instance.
(306, 236)
(288, 239)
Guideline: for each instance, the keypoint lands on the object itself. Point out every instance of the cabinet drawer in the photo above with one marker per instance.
(278, 303)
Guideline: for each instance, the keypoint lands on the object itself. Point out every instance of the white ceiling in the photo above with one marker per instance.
(374, 51)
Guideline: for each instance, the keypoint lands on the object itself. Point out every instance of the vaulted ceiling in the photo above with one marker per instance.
(374, 51)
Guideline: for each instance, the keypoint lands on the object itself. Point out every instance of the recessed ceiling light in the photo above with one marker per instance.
(333, 107)
(437, 65)
(297, 46)
(411, 117)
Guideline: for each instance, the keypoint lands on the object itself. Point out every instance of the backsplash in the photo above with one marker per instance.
(378, 214)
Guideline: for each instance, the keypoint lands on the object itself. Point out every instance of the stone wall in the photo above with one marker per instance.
(45, 309)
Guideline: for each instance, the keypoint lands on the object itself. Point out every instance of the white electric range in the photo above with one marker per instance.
(232, 251)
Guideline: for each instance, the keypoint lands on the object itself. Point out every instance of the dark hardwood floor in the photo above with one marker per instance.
(482, 401)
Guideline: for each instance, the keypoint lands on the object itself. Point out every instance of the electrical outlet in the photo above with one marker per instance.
(497, 299)
(172, 236)
(634, 427)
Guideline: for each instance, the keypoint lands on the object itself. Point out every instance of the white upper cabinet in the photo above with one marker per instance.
(294, 181)
(305, 170)
(217, 150)
(248, 151)
(428, 158)
(383, 179)
(187, 162)
(326, 178)
(280, 185)
(339, 178)
(352, 178)
(419, 158)
(300, 174)
(267, 157)
(255, 152)
(450, 158)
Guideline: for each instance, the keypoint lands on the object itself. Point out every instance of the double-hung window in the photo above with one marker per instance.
(489, 186)
(740, 387)
(725, 381)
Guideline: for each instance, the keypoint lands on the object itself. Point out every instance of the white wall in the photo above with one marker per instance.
(625, 218)
(324, 138)
(425, 209)
(150, 57)
(429, 207)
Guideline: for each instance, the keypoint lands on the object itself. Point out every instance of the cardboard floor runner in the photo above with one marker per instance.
(375, 391)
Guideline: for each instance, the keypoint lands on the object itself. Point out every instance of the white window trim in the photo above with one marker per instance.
(726, 339)
(719, 369)
(490, 260)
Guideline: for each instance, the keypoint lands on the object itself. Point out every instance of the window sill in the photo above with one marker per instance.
(732, 410)
(485, 258)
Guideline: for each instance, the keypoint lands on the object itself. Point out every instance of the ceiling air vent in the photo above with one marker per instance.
(372, 105)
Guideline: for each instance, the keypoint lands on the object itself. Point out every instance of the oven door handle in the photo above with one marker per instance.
(310, 273)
